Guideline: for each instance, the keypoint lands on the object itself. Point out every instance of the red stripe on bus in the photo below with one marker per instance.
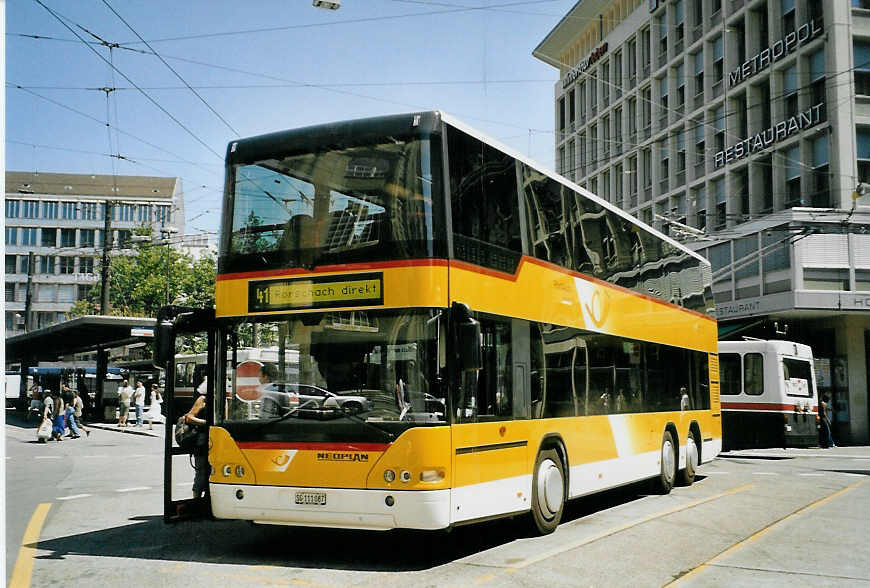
(313, 446)
(764, 406)
(343, 267)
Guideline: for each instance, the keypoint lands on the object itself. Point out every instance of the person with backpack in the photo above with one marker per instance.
(199, 447)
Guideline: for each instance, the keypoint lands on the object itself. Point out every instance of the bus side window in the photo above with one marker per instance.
(753, 374)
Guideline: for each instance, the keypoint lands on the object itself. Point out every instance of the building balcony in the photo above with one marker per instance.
(664, 186)
(717, 88)
(645, 71)
(632, 81)
(663, 122)
(662, 60)
(646, 132)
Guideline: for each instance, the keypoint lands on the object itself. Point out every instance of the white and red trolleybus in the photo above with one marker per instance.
(768, 391)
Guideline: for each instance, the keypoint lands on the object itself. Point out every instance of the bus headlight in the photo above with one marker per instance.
(389, 476)
(227, 470)
(431, 475)
(405, 476)
(240, 471)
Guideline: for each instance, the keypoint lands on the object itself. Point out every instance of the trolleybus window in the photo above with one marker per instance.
(729, 374)
(753, 374)
(798, 377)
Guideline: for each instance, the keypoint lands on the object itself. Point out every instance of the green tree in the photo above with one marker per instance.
(141, 280)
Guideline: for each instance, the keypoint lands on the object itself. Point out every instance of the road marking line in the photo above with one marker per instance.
(764, 474)
(48, 457)
(812, 474)
(721, 555)
(715, 473)
(24, 564)
(575, 544)
(73, 497)
(133, 489)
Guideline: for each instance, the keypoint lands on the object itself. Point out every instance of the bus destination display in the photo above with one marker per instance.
(319, 292)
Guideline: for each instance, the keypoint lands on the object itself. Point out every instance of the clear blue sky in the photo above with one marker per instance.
(261, 66)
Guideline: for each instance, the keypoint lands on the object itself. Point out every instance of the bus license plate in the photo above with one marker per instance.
(316, 498)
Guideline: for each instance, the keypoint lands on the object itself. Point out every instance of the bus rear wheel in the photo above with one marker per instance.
(668, 457)
(687, 476)
(548, 491)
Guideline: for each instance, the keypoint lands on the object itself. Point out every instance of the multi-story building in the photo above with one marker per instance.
(748, 123)
(60, 218)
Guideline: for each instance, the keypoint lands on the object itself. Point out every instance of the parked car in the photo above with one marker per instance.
(279, 397)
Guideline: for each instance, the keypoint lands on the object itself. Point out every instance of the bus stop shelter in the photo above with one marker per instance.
(78, 335)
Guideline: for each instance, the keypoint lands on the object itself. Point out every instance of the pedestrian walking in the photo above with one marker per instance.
(58, 420)
(79, 412)
(825, 410)
(139, 402)
(69, 415)
(125, 394)
(154, 413)
(35, 403)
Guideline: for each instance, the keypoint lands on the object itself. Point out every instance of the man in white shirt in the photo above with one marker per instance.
(125, 393)
(139, 401)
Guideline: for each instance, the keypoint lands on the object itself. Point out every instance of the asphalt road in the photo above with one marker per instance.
(759, 518)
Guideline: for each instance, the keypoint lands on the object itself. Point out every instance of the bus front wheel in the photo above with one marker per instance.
(668, 457)
(548, 491)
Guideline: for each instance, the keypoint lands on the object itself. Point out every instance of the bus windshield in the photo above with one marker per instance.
(317, 371)
(342, 204)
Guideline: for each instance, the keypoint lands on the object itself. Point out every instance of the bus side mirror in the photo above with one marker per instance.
(164, 343)
(469, 336)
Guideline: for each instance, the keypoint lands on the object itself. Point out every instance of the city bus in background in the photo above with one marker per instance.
(769, 396)
(473, 336)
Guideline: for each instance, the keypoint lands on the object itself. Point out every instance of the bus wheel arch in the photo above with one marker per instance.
(549, 485)
(693, 455)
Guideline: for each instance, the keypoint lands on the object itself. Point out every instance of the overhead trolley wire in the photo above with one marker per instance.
(189, 87)
(122, 74)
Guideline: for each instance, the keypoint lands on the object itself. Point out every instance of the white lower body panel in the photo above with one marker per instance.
(710, 449)
(489, 499)
(346, 509)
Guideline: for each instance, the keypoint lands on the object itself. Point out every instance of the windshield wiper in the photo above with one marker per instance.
(359, 419)
(286, 415)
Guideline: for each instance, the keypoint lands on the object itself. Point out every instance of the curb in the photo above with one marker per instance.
(126, 430)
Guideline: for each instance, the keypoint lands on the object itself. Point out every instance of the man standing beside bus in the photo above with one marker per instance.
(125, 393)
(139, 402)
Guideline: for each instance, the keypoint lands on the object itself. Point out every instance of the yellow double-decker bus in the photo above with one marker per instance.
(461, 335)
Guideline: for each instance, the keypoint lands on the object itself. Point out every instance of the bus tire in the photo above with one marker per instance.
(548, 492)
(687, 475)
(668, 457)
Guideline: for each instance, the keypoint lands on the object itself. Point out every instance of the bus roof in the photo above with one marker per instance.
(424, 122)
(760, 345)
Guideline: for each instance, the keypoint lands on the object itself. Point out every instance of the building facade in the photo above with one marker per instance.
(742, 127)
(60, 218)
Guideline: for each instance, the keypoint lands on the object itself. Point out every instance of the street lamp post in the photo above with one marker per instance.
(165, 232)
